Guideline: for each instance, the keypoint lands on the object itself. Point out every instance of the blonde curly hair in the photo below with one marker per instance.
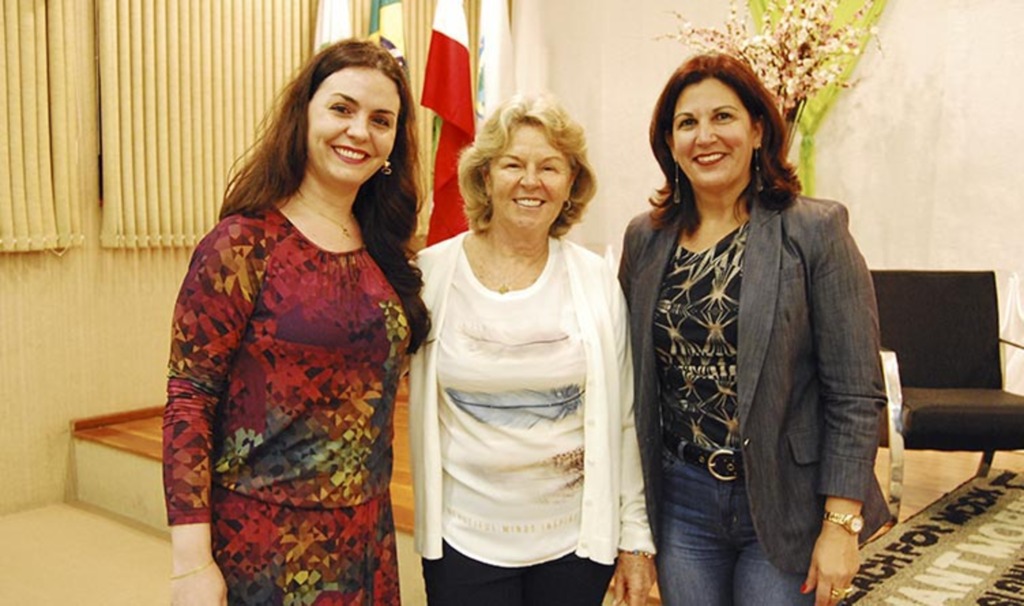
(492, 139)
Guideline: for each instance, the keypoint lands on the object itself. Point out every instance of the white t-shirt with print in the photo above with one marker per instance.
(511, 372)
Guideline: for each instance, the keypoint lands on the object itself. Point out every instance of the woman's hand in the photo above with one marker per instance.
(195, 578)
(834, 562)
(634, 577)
(204, 588)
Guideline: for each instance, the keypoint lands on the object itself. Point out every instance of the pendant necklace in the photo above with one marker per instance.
(505, 283)
(302, 201)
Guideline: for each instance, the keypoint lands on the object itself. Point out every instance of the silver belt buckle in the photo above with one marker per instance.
(711, 466)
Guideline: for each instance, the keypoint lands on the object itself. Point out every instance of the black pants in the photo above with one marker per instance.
(457, 580)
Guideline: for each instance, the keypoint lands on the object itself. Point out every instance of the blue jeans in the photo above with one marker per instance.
(708, 552)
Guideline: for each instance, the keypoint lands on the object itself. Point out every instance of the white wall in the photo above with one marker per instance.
(925, 149)
(608, 67)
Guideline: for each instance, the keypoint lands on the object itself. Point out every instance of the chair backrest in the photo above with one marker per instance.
(943, 326)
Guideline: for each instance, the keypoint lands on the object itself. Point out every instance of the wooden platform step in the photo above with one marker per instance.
(134, 431)
(139, 432)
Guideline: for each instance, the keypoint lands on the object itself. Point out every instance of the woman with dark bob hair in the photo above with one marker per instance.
(755, 347)
(526, 468)
(291, 330)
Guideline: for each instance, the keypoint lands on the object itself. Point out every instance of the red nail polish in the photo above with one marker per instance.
(803, 588)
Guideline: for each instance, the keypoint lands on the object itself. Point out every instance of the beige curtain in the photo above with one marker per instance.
(40, 177)
(184, 86)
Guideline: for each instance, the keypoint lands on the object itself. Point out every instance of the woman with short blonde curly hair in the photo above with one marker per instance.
(562, 132)
(526, 471)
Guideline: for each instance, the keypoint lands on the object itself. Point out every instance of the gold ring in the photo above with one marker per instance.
(836, 593)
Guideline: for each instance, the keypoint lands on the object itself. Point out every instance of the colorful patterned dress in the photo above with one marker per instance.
(285, 361)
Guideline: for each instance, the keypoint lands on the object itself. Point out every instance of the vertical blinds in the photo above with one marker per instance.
(183, 87)
(40, 175)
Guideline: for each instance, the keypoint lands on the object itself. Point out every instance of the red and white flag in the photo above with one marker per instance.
(447, 89)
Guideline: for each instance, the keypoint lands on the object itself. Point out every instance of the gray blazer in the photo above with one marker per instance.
(809, 379)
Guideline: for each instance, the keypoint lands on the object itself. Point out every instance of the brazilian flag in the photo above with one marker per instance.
(386, 27)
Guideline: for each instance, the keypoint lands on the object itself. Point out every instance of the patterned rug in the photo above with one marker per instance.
(966, 548)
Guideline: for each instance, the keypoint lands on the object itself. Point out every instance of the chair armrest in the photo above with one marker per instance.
(894, 425)
(893, 391)
(1011, 343)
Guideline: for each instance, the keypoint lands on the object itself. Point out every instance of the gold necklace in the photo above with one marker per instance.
(504, 280)
(505, 284)
(316, 210)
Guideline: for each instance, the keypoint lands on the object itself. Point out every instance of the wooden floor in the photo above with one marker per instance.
(929, 474)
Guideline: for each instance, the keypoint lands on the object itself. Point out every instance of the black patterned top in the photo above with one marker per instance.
(695, 339)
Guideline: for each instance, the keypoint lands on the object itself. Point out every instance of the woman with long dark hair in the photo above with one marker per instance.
(291, 331)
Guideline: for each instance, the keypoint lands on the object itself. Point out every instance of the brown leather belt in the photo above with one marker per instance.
(723, 464)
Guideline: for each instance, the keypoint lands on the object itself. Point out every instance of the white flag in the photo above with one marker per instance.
(333, 22)
(496, 79)
(530, 49)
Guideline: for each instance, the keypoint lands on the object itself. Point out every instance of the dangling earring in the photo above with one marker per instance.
(386, 169)
(676, 196)
(758, 183)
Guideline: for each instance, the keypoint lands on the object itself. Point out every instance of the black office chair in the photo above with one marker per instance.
(943, 371)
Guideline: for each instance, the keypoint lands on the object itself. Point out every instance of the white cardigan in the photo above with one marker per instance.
(614, 516)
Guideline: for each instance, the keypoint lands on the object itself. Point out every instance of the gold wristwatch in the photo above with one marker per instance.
(850, 522)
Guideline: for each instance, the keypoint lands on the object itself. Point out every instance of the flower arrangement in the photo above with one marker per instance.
(797, 54)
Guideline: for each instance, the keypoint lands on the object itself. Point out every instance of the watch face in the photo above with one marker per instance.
(857, 524)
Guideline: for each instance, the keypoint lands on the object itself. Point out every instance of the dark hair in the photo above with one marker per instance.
(780, 184)
(385, 206)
